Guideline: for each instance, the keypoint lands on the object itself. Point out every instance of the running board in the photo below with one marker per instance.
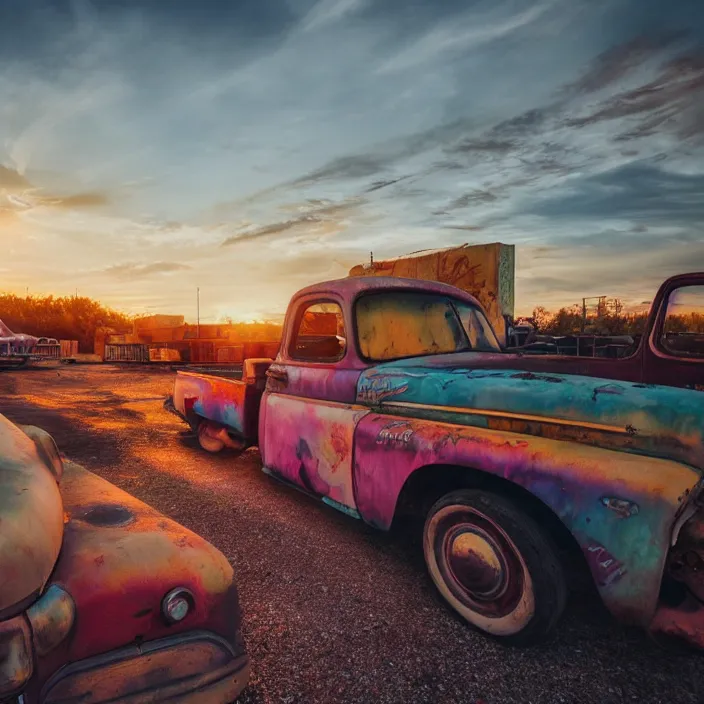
(326, 500)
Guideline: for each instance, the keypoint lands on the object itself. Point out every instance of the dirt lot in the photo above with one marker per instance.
(334, 611)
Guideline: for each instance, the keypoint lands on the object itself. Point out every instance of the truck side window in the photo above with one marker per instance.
(683, 331)
(320, 336)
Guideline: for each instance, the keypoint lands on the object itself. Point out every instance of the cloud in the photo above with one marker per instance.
(304, 134)
(676, 91)
(322, 219)
(142, 271)
(326, 12)
(612, 65)
(469, 33)
(11, 179)
(83, 200)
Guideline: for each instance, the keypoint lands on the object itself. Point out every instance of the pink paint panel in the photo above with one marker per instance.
(320, 381)
(575, 481)
(310, 443)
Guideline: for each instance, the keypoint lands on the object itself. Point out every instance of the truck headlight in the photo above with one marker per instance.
(177, 604)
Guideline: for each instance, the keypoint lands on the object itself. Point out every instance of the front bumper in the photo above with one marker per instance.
(197, 667)
(680, 615)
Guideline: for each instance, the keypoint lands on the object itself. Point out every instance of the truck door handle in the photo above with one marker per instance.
(279, 375)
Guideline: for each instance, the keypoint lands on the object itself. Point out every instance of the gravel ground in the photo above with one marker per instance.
(334, 611)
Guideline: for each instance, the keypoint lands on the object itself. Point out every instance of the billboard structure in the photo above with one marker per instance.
(487, 271)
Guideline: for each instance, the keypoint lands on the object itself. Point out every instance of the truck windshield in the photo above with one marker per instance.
(398, 324)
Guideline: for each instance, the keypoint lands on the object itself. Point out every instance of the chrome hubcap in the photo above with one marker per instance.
(476, 562)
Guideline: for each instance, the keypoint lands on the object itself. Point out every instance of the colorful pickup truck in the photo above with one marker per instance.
(392, 396)
(102, 599)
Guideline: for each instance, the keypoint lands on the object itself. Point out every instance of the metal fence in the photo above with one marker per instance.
(127, 353)
(48, 350)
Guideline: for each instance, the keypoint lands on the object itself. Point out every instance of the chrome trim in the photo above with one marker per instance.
(504, 414)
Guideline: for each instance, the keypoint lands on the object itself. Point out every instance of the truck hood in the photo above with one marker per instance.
(31, 514)
(657, 421)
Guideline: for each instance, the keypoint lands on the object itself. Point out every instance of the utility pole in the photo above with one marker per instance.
(371, 259)
(198, 312)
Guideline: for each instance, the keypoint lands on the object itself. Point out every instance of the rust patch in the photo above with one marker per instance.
(108, 516)
(398, 433)
(612, 389)
(606, 569)
(537, 377)
(621, 507)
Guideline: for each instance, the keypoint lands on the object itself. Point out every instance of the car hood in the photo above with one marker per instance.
(657, 421)
(31, 514)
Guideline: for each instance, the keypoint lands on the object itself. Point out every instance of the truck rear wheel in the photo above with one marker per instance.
(206, 441)
(494, 566)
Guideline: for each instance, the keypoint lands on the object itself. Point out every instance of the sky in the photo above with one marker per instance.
(250, 148)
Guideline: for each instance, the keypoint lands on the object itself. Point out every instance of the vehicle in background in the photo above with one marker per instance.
(16, 349)
(670, 351)
(391, 396)
(102, 598)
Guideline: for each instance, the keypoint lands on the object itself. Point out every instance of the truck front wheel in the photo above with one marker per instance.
(494, 566)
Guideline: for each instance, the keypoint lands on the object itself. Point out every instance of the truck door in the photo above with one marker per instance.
(675, 349)
(308, 411)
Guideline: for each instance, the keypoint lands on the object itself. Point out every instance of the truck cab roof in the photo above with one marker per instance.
(351, 287)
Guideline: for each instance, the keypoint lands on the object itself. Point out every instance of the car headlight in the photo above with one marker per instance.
(52, 618)
(46, 449)
(177, 604)
(16, 665)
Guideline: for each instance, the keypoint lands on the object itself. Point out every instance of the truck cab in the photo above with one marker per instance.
(103, 599)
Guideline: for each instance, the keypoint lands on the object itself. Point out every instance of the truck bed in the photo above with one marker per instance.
(233, 371)
(224, 396)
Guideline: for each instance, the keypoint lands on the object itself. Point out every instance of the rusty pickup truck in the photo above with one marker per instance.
(102, 599)
(391, 396)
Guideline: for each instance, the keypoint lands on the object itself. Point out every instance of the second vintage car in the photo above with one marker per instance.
(391, 396)
(102, 598)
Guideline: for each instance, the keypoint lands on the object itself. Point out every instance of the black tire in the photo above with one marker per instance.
(494, 566)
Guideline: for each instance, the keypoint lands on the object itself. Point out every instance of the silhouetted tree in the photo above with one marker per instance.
(65, 318)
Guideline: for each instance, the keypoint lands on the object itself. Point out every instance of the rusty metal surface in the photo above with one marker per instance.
(625, 554)
(654, 421)
(46, 448)
(51, 617)
(216, 398)
(486, 271)
(684, 622)
(31, 514)
(198, 668)
(119, 559)
(126, 353)
(16, 665)
(310, 443)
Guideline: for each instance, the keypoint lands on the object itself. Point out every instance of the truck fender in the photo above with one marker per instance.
(619, 507)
